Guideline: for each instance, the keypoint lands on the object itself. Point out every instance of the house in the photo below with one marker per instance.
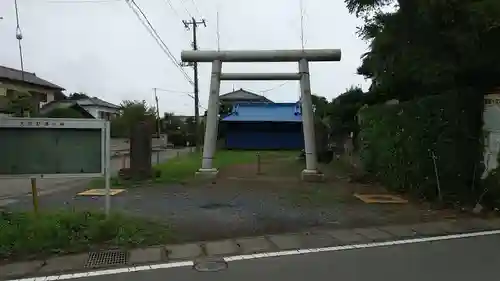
(92, 107)
(185, 118)
(242, 96)
(100, 109)
(12, 81)
(264, 126)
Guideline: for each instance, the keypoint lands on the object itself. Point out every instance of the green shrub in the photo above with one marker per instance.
(397, 143)
(65, 113)
(26, 235)
(179, 138)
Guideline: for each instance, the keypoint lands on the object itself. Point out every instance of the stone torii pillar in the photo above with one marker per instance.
(303, 57)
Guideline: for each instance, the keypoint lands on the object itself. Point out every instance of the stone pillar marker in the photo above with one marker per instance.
(140, 151)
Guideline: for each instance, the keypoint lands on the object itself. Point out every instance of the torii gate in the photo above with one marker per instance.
(303, 57)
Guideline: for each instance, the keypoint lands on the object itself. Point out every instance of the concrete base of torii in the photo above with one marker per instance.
(207, 173)
(312, 176)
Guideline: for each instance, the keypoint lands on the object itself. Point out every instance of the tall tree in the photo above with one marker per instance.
(78, 96)
(427, 46)
(343, 109)
(21, 103)
(132, 112)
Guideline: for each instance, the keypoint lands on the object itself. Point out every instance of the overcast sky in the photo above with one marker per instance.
(102, 49)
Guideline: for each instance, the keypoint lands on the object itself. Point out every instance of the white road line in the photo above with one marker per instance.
(261, 255)
(5, 202)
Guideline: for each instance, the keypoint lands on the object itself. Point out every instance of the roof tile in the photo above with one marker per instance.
(16, 75)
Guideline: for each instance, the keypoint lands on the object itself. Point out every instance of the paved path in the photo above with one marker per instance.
(448, 250)
(12, 189)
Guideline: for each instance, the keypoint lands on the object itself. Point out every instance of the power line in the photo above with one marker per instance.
(172, 8)
(174, 91)
(189, 94)
(196, 7)
(273, 88)
(186, 9)
(82, 1)
(152, 31)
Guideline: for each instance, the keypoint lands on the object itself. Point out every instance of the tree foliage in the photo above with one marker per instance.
(427, 147)
(343, 109)
(171, 123)
(132, 112)
(440, 56)
(427, 47)
(20, 104)
(68, 112)
(78, 96)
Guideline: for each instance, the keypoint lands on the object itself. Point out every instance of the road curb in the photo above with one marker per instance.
(254, 245)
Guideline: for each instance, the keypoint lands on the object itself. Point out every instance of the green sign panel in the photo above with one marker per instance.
(48, 147)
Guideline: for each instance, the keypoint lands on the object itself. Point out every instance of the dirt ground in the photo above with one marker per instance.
(247, 200)
(281, 202)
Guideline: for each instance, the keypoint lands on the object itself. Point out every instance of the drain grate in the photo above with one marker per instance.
(107, 258)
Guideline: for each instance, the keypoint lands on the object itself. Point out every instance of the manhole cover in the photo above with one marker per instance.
(210, 265)
(216, 206)
(107, 258)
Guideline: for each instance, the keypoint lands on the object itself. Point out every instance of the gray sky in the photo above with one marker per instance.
(102, 49)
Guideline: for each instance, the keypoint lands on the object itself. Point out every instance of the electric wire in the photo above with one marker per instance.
(152, 31)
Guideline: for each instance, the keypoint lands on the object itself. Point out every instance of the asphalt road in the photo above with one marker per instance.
(466, 259)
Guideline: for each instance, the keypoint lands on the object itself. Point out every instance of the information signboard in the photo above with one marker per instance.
(53, 147)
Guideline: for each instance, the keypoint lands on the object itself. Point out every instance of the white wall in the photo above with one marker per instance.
(94, 110)
(50, 97)
(491, 130)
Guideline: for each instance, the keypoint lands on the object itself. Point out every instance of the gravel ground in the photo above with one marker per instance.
(236, 209)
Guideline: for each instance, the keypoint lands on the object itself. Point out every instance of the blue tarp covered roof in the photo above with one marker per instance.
(265, 112)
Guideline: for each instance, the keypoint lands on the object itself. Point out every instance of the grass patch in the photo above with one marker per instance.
(184, 168)
(25, 235)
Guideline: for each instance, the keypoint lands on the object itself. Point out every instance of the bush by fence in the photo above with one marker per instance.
(180, 138)
(398, 143)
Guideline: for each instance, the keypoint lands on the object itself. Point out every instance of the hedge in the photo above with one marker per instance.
(397, 143)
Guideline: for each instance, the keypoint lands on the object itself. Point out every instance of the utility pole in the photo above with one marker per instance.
(19, 37)
(157, 114)
(158, 126)
(194, 23)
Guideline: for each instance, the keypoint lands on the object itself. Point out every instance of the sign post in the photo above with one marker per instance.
(38, 148)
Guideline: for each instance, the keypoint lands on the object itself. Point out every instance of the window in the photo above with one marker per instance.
(42, 97)
(104, 115)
